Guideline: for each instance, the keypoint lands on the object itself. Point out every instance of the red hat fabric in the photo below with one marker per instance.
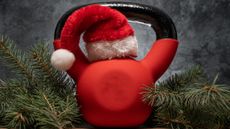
(106, 32)
(116, 27)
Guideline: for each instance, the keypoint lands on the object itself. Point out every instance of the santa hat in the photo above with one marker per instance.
(107, 35)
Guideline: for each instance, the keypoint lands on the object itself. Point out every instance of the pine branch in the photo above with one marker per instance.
(43, 109)
(8, 92)
(165, 119)
(55, 113)
(17, 115)
(60, 82)
(167, 99)
(179, 81)
(209, 100)
(16, 60)
(168, 93)
(22, 108)
(188, 100)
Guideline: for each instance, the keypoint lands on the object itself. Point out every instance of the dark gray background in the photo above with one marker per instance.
(203, 29)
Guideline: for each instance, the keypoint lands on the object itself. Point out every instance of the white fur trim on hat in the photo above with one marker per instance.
(126, 47)
(62, 59)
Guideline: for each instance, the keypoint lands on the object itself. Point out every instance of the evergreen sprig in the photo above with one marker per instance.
(60, 82)
(209, 99)
(16, 60)
(59, 114)
(168, 92)
(188, 100)
(39, 96)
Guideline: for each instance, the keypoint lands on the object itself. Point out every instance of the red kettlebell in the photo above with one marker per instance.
(109, 91)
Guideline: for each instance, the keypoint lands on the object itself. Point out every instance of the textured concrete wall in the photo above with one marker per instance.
(203, 29)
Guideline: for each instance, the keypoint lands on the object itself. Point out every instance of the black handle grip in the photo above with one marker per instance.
(160, 22)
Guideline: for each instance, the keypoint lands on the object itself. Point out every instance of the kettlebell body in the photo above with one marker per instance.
(109, 91)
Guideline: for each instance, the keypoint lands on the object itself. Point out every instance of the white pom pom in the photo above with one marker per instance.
(62, 59)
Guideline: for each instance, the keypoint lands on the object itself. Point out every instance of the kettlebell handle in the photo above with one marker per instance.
(160, 22)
